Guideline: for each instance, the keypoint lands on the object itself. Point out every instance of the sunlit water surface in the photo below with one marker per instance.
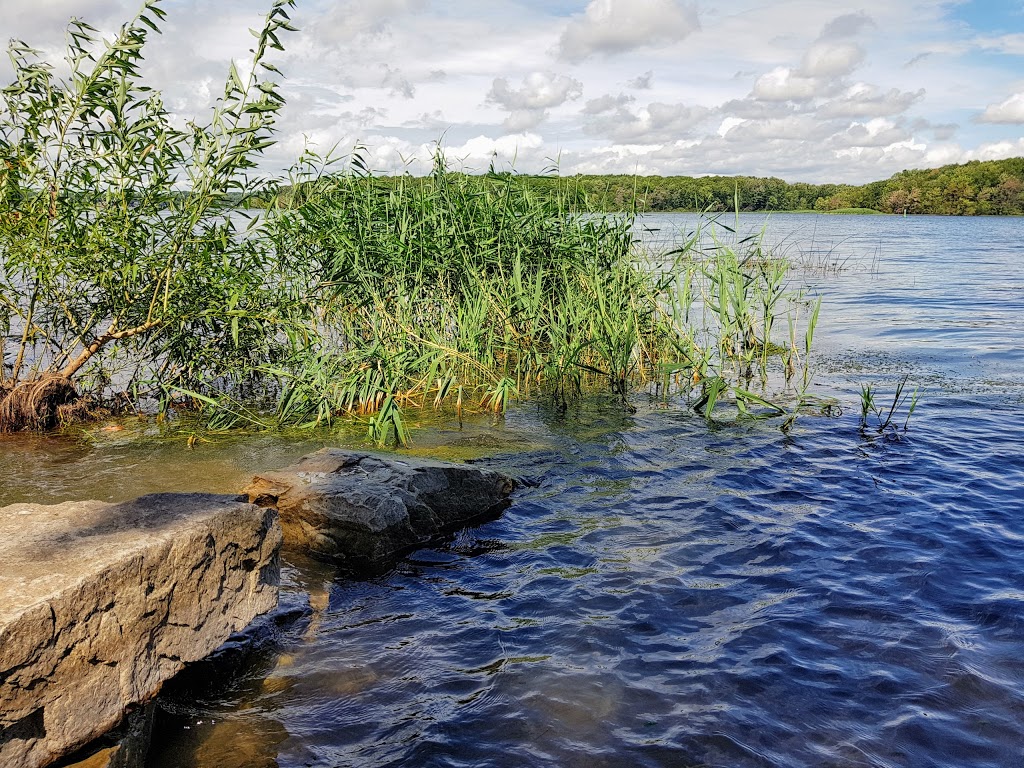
(662, 592)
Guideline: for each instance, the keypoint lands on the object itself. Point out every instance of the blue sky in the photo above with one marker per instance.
(990, 16)
(801, 89)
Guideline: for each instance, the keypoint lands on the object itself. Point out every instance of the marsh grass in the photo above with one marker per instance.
(883, 418)
(470, 292)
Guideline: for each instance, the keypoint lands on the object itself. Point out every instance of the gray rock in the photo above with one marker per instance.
(101, 603)
(365, 509)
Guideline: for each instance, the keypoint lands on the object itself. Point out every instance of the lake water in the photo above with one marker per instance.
(665, 592)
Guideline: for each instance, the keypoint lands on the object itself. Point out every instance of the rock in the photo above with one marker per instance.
(101, 603)
(365, 509)
(125, 747)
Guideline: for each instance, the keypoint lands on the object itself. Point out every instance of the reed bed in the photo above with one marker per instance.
(469, 292)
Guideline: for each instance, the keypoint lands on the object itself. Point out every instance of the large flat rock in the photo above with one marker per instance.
(101, 603)
(364, 509)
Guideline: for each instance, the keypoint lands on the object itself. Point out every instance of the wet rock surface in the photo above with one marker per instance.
(101, 603)
(365, 509)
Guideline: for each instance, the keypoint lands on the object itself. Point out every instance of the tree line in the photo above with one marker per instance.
(993, 187)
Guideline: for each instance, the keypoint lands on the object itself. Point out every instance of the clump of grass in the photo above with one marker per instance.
(884, 418)
(454, 290)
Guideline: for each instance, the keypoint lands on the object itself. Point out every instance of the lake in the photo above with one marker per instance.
(667, 592)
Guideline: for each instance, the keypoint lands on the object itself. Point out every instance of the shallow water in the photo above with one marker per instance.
(665, 593)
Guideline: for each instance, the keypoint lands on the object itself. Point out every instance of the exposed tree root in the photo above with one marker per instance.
(38, 404)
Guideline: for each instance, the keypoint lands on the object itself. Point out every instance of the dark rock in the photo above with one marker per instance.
(366, 509)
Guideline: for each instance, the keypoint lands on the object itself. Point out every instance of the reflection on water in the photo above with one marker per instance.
(665, 594)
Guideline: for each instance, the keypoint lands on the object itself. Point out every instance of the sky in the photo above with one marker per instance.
(805, 90)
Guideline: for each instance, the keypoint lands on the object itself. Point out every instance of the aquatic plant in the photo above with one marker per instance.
(453, 289)
(885, 419)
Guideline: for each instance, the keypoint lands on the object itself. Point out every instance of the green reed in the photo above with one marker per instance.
(471, 291)
(884, 417)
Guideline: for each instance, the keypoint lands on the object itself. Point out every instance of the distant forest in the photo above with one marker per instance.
(994, 187)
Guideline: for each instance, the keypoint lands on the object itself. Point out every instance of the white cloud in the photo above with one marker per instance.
(862, 100)
(793, 128)
(540, 90)
(783, 84)
(618, 26)
(607, 103)
(996, 150)
(1009, 111)
(828, 60)
(396, 83)
(654, 124)
(642, 82)
(874, 133)
(753, 108)
(528, 106)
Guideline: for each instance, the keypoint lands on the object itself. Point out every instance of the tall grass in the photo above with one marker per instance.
(460, 291)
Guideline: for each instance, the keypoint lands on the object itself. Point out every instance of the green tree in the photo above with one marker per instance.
(120, 253)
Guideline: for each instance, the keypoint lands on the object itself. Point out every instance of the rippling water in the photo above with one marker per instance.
(669, 594)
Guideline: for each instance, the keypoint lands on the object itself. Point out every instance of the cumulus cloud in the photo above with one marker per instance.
(656, 123)
(996, 150)
(755, 109)
(792, 128)
(607, 103)
(785, 84)
(1009, 111)
(617, 26)
(396, 83)
(528, 105)
(864, 100)
(874, 133)
(540, 90)
(820, 75)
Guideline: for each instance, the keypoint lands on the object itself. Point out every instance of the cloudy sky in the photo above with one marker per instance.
(807, 90)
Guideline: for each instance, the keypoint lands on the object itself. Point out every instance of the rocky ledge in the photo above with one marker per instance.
(101, 603)
(365, 510)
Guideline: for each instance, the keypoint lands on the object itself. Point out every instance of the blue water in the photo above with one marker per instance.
(669, 593)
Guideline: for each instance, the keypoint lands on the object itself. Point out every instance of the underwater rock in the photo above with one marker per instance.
(365, 509)
(101, 603)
